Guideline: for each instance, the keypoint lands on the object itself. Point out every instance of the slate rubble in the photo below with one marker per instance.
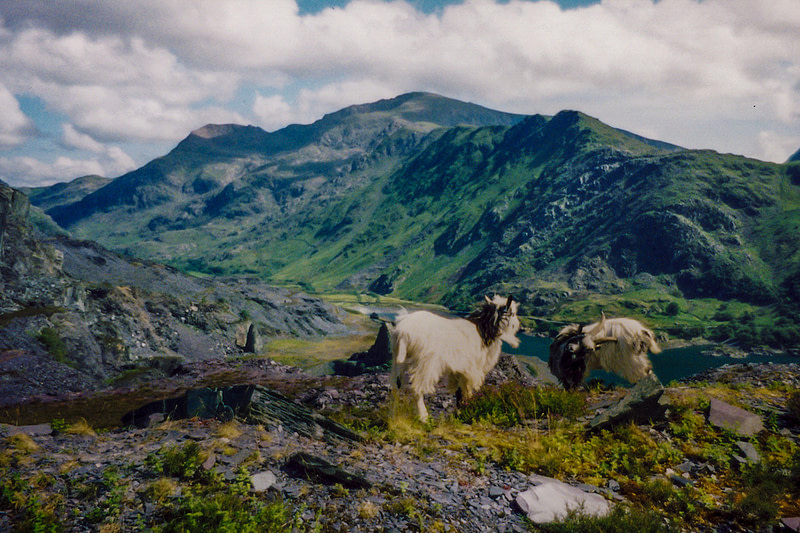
(443, 485)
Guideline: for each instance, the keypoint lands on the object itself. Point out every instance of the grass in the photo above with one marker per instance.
(316, 353)
(80, 427)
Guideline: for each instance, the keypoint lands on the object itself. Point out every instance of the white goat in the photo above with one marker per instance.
(429, 346)
(617, 345)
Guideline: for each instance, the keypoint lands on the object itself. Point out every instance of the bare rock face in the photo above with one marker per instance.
(29, 270)
(73, 312)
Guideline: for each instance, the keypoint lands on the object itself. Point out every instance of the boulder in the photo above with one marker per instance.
(641, 405)
(550, 500)
(726, 416)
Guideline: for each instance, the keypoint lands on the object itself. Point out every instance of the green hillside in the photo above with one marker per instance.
(430, 199)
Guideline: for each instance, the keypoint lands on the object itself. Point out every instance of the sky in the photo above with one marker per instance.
(104, 86)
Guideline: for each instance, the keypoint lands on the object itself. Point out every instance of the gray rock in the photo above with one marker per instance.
(551, 500)
(496, 492)
(680, 480)
(642, 404)
(210, 461)
(726, 416)
(792, 523)
(750, 451)
(263, 481)
(36, 430)
(318, 469)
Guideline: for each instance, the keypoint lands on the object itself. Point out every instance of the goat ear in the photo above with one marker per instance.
(488, 301)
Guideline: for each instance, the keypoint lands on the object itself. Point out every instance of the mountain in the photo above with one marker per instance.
(794, 157)
(223, 159)
(431, 199)
(64, 193)
(75, 316)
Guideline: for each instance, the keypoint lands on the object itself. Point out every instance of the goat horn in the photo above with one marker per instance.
(508, 302)
(598, 327)
(600, 340)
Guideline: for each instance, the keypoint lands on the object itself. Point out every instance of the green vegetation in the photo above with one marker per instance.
(620, 520)
(512, 404)
(557, 445)
(50, 338)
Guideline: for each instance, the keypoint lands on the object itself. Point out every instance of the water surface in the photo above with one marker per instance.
(671, 364)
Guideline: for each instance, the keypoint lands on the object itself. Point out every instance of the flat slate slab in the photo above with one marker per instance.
(730, 417)
(642, 404)
(550, 500)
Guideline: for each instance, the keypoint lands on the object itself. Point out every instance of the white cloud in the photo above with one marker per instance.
(109, 160)
(776, 146)
(75, 139)
(115, 88)
(15, 127)
(273, 112)
(32, 172)
(680, 70)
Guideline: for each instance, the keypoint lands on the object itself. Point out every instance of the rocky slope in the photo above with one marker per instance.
(74, 316)
(178, 474)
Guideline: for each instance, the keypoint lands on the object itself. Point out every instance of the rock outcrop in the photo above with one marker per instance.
(377, 359)
(75, 316)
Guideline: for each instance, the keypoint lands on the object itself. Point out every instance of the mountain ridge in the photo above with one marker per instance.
(539, 205)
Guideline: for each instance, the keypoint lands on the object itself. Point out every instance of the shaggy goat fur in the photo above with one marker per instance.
(428, 346)
(617, 345)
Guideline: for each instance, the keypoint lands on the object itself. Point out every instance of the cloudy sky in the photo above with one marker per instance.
(103, 86)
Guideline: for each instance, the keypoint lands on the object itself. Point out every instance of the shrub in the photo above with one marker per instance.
(226, 513)
(183, 462)
(510, 404)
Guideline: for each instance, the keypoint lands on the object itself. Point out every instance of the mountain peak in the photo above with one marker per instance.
(423, 107)
(211, 131)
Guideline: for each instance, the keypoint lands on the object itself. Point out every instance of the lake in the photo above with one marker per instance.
(671, 364)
